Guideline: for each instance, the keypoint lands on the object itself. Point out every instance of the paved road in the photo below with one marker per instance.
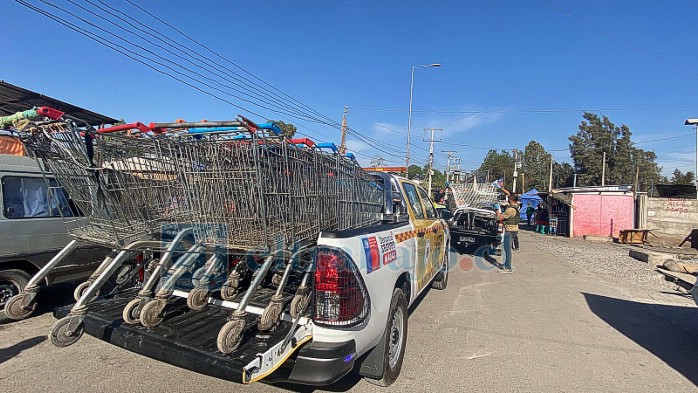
(549, 327)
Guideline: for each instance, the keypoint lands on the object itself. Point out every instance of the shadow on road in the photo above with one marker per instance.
(650, 326)
(15, 349)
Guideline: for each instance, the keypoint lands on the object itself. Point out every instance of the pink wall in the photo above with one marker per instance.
(602, 215)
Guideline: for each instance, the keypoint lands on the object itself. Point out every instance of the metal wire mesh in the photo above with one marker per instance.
(124, 187)
(251, 192)
(266, 193)
(474, 194)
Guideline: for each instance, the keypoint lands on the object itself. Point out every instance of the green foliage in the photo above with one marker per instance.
(597, 136)
(535, 166)
(678, 177)
(289, 130)
(438, 178)
(499, 165)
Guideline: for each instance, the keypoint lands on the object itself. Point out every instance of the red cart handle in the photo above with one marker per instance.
(303, 141)
(51, 113)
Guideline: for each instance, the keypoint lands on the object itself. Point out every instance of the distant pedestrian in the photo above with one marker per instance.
(529, 213)
(511, 217)
(541, 220)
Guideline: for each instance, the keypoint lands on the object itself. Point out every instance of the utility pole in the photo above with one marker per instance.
(637, 178)
(343, 144)
(550, 179)
(517, 165)
(431, 155)
(574, 183)
(603, 170)
(449, 169)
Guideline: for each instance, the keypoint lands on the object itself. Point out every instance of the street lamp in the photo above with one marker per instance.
(409, 116)
(694, 122)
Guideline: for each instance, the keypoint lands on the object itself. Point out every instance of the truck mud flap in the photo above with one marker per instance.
(187, 338)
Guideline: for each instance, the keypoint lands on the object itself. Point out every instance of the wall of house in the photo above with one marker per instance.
(672, 219)
(602, 215)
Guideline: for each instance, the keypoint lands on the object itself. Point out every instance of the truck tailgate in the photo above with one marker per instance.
(185, 339)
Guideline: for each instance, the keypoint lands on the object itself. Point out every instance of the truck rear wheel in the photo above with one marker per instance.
(395, 340)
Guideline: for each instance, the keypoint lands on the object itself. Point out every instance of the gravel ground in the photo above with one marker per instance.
(608, 259)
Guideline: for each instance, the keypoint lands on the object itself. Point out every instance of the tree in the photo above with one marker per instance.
(678, 177)
(499, 165)
(597, 136)
(288, 129)
(535, 166)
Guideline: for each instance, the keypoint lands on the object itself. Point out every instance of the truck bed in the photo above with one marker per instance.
(185, 338)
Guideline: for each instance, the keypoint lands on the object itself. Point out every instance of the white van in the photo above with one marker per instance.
(32, 230)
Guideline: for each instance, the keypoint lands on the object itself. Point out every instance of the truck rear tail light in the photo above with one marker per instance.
(500, 227)
(341, 298)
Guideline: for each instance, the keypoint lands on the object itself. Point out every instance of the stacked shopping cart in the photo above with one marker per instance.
(233, 191)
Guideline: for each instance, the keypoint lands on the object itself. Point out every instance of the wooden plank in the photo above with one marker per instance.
(684, 277)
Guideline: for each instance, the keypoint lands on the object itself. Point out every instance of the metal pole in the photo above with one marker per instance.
(409, 124)
(695, 175)
(550, 179)
(603, 170)
(431, 159)
(574, 184)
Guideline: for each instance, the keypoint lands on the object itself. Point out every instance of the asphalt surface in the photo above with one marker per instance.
(551, 326)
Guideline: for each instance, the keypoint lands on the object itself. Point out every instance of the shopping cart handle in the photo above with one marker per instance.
(51, 113)
(215, 130)
(271, 126)
(327, 145)
(351, 156)
(303, 141)
(125, 127)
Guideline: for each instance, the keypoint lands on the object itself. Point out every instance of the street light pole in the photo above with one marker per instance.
(409, 115)
(694, 122)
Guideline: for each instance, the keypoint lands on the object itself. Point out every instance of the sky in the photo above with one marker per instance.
(512, 71)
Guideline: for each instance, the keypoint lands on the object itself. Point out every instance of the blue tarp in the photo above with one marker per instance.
(529, 197)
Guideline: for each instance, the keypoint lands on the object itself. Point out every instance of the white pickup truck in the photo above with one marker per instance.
(363, 282)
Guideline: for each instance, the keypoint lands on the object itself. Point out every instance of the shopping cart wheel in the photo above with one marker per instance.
(271, 316)
(61, 337)
(197, 299)
(198, 275)
(77, 294)
(298, 304)
(230, 288)
(151, 313)
(14, 310)
(130, 313)
(276, 280)
(230, 336)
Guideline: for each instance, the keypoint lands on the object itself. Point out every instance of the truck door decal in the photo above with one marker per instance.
(373, 261)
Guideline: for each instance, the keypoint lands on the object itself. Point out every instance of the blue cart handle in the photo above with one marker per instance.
(327, 145)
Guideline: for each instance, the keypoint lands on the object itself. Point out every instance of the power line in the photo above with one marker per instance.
(186, 77)
(509, 111)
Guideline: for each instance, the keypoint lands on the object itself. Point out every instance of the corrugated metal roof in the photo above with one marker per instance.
(15, 99)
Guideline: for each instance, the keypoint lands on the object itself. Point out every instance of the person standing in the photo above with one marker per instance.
(511, 230)
(529, 213)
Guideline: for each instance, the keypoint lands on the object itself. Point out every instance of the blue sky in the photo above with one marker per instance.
(512, 70)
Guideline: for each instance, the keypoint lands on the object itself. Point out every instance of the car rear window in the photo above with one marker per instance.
(31, 197)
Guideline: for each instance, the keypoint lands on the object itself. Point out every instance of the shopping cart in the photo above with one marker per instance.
(124, 196)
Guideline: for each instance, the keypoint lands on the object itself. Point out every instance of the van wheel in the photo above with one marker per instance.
(12, 282)
(395, 340)
(441, 280)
